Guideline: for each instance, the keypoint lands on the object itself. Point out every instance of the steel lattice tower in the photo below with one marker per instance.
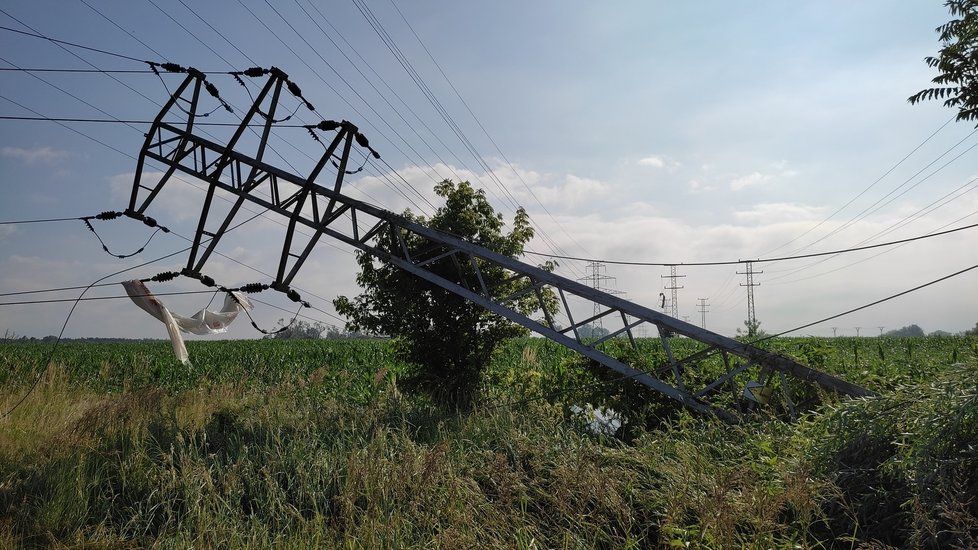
(597, 279)
(751, 316)
(674, 303)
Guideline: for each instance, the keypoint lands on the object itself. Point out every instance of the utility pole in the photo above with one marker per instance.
(703, 311)
(833, 331)
(881, 330)
(597, 279)
(751, 317)
(674, 303)
(857, 331)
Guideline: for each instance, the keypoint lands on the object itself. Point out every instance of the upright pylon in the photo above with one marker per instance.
(674, 302)
(751, 316)
(597, 279)
(702, 307)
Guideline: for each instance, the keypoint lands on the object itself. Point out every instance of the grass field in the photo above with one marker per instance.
(311, 444)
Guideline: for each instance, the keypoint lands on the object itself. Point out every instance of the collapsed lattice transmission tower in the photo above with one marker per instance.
(742, 375)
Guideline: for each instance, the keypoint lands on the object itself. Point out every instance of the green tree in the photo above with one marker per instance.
(299, 330)
(447, 337)
(752, 329)
(957, 61)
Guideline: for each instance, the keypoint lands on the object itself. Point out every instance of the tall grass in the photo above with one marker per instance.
(330, 454)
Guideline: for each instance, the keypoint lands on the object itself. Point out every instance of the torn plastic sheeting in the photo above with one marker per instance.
(202, 322)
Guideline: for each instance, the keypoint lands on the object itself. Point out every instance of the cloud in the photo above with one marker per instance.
(571, 192)
(7, 230)
(777, 212)
(39, 155)
(696, 186)
(179, 200)
(654, 161)
(660, 162)
(750, 180)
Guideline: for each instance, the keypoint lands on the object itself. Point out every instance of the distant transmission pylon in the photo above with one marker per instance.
(702, 306)
(751, 316)
(674, 303)
(597, 279)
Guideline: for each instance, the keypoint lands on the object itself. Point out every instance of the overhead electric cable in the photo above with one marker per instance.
(65, 126)
(893, 227)
(73, 45)
(352, 89)
(81, 71)
(54, 347)
(406, 64)
(866, 189)
(481, 126)
(874, 208)
(92, 298)
(87, 62)
(66, 92)
(888, 298)
(384, 97)
(779, 279)
(758, 260)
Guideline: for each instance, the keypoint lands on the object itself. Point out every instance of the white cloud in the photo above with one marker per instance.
(7, 230)
(38, 155)
(770, 213)
(179, 200)
(696, 186)
(750, 180)
(660, 162)
(654, 161)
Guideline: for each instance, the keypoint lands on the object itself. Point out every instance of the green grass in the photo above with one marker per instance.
(271, 444)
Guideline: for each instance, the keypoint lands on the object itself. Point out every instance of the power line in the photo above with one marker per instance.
(780, 277)
(54, 348)
(54, 301)
(130, 121)
(876, 206)
(482, 127)
(864, 191)
(888, 298)
(893, 227)
(66, 43)
(80, 71)
(65, 126)
(758, 260)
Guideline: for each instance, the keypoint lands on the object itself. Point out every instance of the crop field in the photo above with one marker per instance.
(283, 444)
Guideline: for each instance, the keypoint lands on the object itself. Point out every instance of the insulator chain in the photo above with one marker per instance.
(111, 215)
(250, 288)
(257, 72)
(209, 86)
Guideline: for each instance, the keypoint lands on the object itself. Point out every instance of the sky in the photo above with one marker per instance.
(656, 132)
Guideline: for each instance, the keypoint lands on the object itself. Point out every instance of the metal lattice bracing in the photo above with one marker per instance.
(749, 373)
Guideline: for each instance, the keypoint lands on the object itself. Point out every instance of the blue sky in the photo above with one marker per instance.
(647, 131)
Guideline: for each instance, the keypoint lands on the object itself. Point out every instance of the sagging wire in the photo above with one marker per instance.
(250, 288)
(258, 72)
(54, 347)
(111, 215)
(208, 85)
(332, 126)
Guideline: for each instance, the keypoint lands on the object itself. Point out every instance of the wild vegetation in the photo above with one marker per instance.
(310, 443)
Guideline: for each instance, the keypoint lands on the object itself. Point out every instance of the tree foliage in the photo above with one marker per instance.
(449, 338)
(299, 330)
(909, 330)
(957, 61)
